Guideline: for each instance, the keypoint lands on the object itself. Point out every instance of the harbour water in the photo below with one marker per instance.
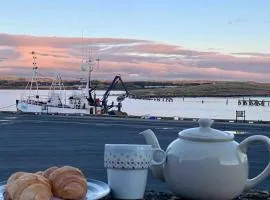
(211, 107)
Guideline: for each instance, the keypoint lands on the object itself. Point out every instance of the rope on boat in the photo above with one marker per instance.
(1, 108)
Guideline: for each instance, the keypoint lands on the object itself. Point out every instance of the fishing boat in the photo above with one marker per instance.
(82, 101)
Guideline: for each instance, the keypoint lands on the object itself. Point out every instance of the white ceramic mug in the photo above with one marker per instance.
(127, 168)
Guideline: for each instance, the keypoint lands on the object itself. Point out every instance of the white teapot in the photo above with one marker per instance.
(205, 163)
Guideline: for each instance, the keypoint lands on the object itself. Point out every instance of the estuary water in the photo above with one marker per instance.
(56, 135)
(211, 107)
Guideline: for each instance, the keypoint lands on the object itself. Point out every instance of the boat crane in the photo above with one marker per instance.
(119, 99)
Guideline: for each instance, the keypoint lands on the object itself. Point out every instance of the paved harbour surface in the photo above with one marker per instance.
(33, 143)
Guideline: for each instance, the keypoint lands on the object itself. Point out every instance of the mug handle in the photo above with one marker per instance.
(159, 156)
(244, 146)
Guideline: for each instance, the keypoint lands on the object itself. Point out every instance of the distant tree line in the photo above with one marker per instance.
(99, 85)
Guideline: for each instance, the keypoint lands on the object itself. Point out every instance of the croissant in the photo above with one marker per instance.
(40, 173)
(28, 187)
(15, 176)
(68, 183)
(48, 171)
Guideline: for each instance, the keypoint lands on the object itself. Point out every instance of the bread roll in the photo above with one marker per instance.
(68, 183)
(29, 187)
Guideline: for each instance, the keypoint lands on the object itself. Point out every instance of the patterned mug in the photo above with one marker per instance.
(127, 168)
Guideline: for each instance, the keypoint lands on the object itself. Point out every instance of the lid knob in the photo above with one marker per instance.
(205, 122)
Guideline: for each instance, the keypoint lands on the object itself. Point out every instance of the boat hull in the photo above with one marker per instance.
(31, 108)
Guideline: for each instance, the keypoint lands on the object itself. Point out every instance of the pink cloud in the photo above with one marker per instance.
(135, 59)
(36, 41)
(156, 48)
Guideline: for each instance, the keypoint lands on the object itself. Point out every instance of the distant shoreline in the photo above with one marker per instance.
(184, 96)
(146, 89)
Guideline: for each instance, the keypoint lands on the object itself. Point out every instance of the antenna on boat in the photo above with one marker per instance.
(90, 67)
(98, 59)
(83, 62)
(82, 50)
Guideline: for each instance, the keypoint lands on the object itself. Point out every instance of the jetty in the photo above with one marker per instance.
(253, 102)
(152, 98)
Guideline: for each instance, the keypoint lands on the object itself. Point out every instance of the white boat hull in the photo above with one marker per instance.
(31, 108)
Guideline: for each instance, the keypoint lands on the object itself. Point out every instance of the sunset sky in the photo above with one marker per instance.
(141, 40)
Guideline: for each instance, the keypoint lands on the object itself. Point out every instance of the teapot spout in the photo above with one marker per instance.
(151, 139)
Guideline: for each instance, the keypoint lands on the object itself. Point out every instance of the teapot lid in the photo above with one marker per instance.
(205, 133)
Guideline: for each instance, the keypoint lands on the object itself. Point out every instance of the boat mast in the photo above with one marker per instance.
(91, 63)
(34, 74)
(58, 83)
(88, 65)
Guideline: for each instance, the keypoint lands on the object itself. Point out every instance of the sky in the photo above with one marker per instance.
(140, 40)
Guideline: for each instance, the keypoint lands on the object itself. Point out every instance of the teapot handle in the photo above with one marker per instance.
(159, 156)
(244, 146)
